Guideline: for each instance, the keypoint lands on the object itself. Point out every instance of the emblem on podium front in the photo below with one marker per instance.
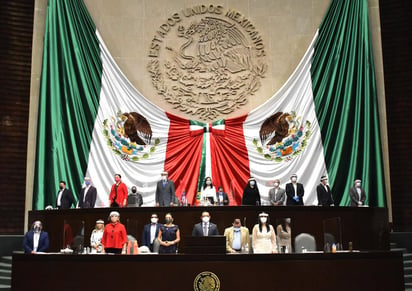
(206, 281)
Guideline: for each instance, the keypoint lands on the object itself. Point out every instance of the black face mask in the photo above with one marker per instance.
(61, 187)
(36, 228)
(134, 190)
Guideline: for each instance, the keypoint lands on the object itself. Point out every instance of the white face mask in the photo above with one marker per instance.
(154, 220)
(263, 219)
(276, 184)
(164, 178)
(208, 182)
(294, 179)
(252, 183)
(358, 185)
(205, 219)
(36, 228)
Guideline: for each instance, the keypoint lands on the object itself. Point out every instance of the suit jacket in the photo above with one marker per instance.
(354, 196)
(324, 197)
(165, 194)
(90, 200)
(146, 235)
(279, 197)
(290, 193)
(225, 199)
(244, 238)
(67, 199)
(29, 238)
(198, 229)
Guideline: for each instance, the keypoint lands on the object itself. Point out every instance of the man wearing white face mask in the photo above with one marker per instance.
(237, 238)
(357, 194)
(294, 191)
(205, 227)
(36, 240)
(151, 231)
(88, 194)
(165, 191)
(277, 194)
(324, 193)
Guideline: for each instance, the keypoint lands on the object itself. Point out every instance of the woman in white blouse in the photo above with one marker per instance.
(208, 193)
(96, 237)
(264, 236)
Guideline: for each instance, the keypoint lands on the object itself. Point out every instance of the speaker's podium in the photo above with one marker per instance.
(215, 244)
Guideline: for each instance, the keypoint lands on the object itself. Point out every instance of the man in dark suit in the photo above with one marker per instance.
(205, 228)
(36, 240)
(88, 194)
(65, 197)
(165, 191)
(357, 194)
(221, 197)
(294, 191)
(324, 193)
(150, 232)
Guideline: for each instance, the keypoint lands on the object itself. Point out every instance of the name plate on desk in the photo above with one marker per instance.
(205, 244)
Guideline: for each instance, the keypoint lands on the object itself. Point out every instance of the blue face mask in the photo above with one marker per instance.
(87, 183)
(220, 192)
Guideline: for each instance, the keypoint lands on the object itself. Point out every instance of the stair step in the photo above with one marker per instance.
(407, 263)
(5, 280)
(6, 266)
(5, 273)
(408, 278)
(407, 256)
(6, 258)
(403, 250)
(407, 270)
(4, 287)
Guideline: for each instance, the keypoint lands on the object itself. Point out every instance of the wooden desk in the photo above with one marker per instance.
(367, 228)
(310, 271)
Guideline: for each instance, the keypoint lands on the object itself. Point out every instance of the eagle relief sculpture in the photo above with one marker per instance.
(282, 136)
(211, 72)
(129, 135)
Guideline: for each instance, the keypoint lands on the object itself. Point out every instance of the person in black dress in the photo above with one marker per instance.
(169, 236)
(251, 195)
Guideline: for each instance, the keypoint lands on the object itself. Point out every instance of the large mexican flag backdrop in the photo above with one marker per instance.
(93, 122)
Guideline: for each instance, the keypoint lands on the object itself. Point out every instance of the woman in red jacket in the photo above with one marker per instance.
(114, 238)
(118, 193)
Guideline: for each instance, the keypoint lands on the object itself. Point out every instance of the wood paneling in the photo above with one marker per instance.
(310, 271)
(16, 25)
(16, 29)
(396, 17)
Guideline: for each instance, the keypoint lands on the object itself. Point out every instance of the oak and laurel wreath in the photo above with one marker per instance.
(124, 156)
(269, 157)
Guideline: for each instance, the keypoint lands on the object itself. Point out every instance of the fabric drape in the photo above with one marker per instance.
(69, 99)
(345, 97)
